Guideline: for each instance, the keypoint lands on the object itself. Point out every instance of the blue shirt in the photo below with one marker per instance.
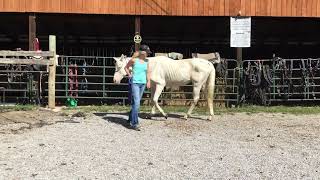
(139, 72)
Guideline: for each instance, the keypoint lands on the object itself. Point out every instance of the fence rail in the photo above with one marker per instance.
(90, 77)
(290, 80)
(90, 80)
(25, 62)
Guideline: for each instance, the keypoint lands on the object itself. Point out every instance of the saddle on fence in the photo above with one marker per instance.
(212, 57)
(221, 65)
(172, 55)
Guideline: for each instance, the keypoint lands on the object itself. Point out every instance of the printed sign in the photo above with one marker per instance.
(240, 31)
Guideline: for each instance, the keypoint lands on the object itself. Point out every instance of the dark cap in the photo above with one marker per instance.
(145, 48)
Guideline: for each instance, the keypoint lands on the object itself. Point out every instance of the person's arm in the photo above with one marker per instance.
(128, 66)
(130, 63)
(148, 76)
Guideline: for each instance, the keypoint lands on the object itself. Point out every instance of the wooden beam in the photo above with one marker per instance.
(32, 31)
(52, 74)
(137, 30)
(239, 57)
(24, 61)
(26, 53)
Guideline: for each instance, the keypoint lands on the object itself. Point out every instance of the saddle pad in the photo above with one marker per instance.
(209, 56)
(172, 55)
(161, 54)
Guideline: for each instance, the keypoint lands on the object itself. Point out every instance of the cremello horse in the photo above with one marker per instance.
(172, 73)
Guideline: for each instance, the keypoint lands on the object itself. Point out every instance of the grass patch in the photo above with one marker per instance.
(297, 110)
(17, 108)
(108, 109)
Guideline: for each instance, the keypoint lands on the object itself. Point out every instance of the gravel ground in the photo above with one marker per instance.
(100, 146)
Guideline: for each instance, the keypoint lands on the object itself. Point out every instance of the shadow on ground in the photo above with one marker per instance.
(122, 118)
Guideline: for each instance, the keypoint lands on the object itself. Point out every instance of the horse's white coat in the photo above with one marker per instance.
(173, 73)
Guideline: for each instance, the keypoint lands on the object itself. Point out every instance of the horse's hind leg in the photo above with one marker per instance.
(196, 97)
(153, 91)
(153, 109)
(157, 93)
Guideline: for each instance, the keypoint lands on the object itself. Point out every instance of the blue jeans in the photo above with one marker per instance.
(137, 93)
(129, 90)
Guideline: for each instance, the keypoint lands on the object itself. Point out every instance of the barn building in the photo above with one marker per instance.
(284, 27)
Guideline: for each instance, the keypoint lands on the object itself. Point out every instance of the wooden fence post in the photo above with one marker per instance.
(239, 57)
(137, 27)
(52, 73)
(239, 74)
(32, 31)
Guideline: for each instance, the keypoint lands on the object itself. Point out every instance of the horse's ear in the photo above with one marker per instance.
(122, 57)
(116, 59)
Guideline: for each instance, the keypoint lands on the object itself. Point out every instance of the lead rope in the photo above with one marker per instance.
(76, 80)
(84, 82)
(70, 80)
(73, 80)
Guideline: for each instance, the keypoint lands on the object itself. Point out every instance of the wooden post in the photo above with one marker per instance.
(238, 73)
(52, 73)
(239, 57)
(32, 31)
(137, 31)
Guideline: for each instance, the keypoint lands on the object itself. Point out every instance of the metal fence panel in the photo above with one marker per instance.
(292, 79)
(90, 80)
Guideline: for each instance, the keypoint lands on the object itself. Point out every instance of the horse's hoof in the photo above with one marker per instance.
(148, 117)
(185, 117)
(166, 116)
(210, 118)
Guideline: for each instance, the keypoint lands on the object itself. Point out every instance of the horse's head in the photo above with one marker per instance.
(120, 73)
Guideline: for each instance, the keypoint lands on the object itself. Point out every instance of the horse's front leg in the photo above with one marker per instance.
(157, 93)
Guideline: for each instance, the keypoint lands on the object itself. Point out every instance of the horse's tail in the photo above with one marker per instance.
(210, 88)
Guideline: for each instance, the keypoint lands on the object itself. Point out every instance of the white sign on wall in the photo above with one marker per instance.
(240, 31)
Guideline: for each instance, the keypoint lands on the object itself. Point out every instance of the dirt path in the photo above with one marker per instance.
(239, 146)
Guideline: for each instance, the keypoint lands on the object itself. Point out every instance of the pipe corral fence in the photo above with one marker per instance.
(21, 75)
(89, 79)
(280, 80)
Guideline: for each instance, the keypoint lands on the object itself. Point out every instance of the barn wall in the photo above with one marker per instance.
(293, 8)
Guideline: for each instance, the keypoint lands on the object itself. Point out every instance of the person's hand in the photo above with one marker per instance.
(130, 75)
(135, 54)
(148, 85)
